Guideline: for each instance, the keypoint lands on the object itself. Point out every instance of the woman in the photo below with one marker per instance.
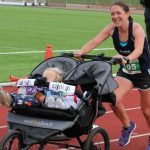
(132, 47)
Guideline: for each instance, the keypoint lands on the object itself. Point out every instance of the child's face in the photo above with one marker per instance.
(50, 76)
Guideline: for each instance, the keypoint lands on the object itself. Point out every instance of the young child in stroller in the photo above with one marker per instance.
(56, 96)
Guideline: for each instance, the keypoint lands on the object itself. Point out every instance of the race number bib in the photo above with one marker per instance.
(25, 82)
(61, 87)
(132, 67)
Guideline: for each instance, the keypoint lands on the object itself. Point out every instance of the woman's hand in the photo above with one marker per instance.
(77, 54)
(124, 59)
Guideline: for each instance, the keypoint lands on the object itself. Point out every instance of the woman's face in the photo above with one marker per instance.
(119, 16)
(50, 76)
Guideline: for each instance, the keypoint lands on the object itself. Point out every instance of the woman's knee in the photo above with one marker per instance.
(118, 105)
(146, 112)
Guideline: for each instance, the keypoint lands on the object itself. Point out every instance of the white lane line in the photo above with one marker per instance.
(132, 137)
(128, 109)
(112, 140)
(55, 51)
(2, 127)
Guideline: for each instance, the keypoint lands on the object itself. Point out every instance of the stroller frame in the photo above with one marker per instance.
(34, 130)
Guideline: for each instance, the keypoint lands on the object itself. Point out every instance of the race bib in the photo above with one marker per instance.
(26, 82)
(61, 87)
(132, 67)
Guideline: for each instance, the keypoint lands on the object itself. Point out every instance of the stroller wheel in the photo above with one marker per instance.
(12, 140)
(97, 139)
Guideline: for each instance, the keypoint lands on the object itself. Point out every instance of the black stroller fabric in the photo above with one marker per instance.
(65, 64)
(56, 114)
(97, 72)
(88, 74)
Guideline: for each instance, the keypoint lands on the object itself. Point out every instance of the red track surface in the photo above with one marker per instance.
(110, 123)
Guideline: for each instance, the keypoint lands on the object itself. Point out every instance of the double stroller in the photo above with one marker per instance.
(36, 127)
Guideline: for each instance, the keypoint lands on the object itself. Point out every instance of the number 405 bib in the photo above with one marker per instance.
(132, 67)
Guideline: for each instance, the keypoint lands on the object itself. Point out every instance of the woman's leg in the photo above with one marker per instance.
(125, 86)
(145, 104)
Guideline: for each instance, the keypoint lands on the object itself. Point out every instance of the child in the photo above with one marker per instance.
(53, 97)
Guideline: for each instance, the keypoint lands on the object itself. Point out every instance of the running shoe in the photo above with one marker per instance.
(148, 147)
(5, 98)
(126, 134)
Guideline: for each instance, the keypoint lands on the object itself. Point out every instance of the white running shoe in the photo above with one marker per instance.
(50, 102)
(60, 103)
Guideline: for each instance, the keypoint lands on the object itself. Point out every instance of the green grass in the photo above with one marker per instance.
(129, 2)
(31, 29)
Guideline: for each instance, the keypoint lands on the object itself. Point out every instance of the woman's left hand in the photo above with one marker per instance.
(124, 61)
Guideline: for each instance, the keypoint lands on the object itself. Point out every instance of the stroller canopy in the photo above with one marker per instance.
(77, 72)
(65, 64)
(95, 71)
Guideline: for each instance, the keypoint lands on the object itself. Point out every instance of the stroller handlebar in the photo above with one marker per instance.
(101, 56)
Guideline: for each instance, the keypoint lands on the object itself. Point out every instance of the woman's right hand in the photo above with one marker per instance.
(77, 54)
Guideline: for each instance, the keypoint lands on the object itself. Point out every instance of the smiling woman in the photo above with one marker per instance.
(131, 44)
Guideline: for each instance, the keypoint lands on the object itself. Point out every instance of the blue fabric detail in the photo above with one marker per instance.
(123, 44)
(48, 92)
(21, 100)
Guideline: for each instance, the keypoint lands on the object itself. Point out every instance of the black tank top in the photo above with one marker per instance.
(126, 48)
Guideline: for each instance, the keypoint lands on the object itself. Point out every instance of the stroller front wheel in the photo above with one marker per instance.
(97, 139)
(12, 140)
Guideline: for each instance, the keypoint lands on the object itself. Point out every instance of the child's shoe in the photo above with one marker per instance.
(60, 103)
(50, 102)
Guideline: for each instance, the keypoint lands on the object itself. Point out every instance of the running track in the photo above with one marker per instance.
(110, 123)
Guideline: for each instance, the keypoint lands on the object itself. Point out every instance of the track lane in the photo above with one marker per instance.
(111, 124)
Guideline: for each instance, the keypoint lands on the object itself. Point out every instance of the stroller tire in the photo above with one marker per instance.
(12, 140)
(97, 139)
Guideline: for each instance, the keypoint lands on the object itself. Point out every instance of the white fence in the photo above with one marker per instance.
(23, 2)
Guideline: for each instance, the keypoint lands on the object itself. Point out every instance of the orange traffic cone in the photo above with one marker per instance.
(15, 79)
(48, 52)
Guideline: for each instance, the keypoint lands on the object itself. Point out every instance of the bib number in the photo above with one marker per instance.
(132, 68)
(61, 87)
(25, 82)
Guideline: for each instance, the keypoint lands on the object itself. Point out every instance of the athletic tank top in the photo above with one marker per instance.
(126, 48)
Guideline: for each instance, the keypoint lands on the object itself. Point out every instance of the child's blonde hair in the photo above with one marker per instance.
(59, 73)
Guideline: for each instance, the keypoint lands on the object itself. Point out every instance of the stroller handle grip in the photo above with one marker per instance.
(101, 57)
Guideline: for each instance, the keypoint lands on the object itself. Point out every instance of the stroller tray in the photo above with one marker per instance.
(20, 120)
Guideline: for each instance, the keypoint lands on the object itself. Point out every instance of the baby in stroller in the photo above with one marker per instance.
(56, 96)
(36, 125)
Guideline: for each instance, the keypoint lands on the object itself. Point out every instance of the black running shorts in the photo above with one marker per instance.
(140, 81)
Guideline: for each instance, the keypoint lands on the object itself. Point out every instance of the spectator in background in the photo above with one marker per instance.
(146, 4)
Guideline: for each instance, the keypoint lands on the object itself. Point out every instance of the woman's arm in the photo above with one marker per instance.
(139, 36)
(98, 39)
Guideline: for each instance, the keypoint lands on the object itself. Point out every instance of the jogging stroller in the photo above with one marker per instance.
(33, 128)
